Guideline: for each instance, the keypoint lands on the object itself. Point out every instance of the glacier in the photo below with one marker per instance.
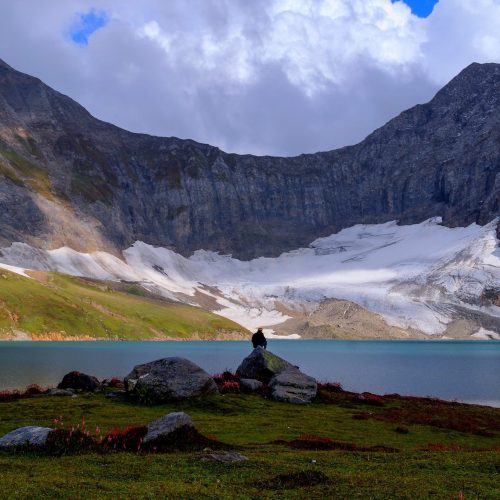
(418, 276)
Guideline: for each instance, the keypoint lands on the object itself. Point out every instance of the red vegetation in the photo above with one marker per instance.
(371, 399)
(30, 391)
(68, 442)
(77, 439)
(309, 442)
(116, 382)
(330, 386)
(128, 439)
(227, 382)
(472, 420)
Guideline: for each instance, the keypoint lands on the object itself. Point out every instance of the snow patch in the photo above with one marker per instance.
(14, 269)
(484, 334)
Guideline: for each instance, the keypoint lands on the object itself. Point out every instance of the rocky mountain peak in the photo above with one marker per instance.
(67, 178)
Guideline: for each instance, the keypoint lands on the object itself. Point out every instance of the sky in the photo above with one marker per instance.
(279, 77)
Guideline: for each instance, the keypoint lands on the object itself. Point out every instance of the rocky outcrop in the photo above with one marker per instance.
(67, 178)
(169, 379)
(262, 365)
(80, 382)
(293, 386)
(25, 436)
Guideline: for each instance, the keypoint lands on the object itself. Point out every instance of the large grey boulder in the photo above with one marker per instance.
(168, 424)
(23, 436)
(293, 386)
(169, 379)
(262, 365)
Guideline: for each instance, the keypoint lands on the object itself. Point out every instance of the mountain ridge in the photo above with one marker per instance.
(69, 179)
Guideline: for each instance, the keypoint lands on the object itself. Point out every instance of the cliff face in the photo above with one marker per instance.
(67, 178)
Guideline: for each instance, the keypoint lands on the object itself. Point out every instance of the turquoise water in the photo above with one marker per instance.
(454, 370)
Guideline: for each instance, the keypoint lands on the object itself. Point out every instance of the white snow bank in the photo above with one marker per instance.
(484, 334)
(413, 275)
(14, 269)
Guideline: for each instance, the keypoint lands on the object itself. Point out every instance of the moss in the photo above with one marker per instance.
(8, 173)
(27, 173)
(91, 188)
(29, 145)
(274, 363)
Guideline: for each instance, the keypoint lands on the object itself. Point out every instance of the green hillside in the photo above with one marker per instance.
(52, 306)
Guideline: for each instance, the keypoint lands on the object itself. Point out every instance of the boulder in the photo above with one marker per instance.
(167, 424)
(169, 379)
(262, 365)
(80, 382)
(250, 384)
(25, 436)
(293, 386)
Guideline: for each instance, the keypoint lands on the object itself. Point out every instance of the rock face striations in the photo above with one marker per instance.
(67, 178)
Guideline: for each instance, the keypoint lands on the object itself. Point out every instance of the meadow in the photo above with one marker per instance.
(343, 445)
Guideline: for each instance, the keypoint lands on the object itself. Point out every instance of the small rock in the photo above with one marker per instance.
(80, 382)
(223, 456)
(29, 435)
(250, 384)
(61, 392)
(168, 424)
(293, 386)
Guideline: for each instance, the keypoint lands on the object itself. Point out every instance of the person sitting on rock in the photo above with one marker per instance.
(258, 339)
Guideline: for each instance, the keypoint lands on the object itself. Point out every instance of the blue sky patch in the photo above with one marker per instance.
(87, 24)
(421, 8)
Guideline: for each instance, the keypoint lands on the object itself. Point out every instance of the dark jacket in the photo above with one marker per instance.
(258, 339)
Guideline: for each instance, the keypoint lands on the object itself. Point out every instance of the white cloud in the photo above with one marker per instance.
(266, 76)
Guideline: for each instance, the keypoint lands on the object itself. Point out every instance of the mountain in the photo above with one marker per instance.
(395, 237)
(68, 179)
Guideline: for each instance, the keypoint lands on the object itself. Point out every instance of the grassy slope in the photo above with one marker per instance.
(251, 423)
(54, 303)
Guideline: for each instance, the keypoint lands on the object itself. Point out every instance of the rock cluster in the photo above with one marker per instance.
(286, 382)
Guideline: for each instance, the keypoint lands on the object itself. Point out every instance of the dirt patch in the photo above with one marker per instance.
(342, 319)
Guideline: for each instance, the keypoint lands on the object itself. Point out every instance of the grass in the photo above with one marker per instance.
(262, 430)
(56, 306)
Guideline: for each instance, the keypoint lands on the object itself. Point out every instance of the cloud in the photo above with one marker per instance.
(265, 77)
